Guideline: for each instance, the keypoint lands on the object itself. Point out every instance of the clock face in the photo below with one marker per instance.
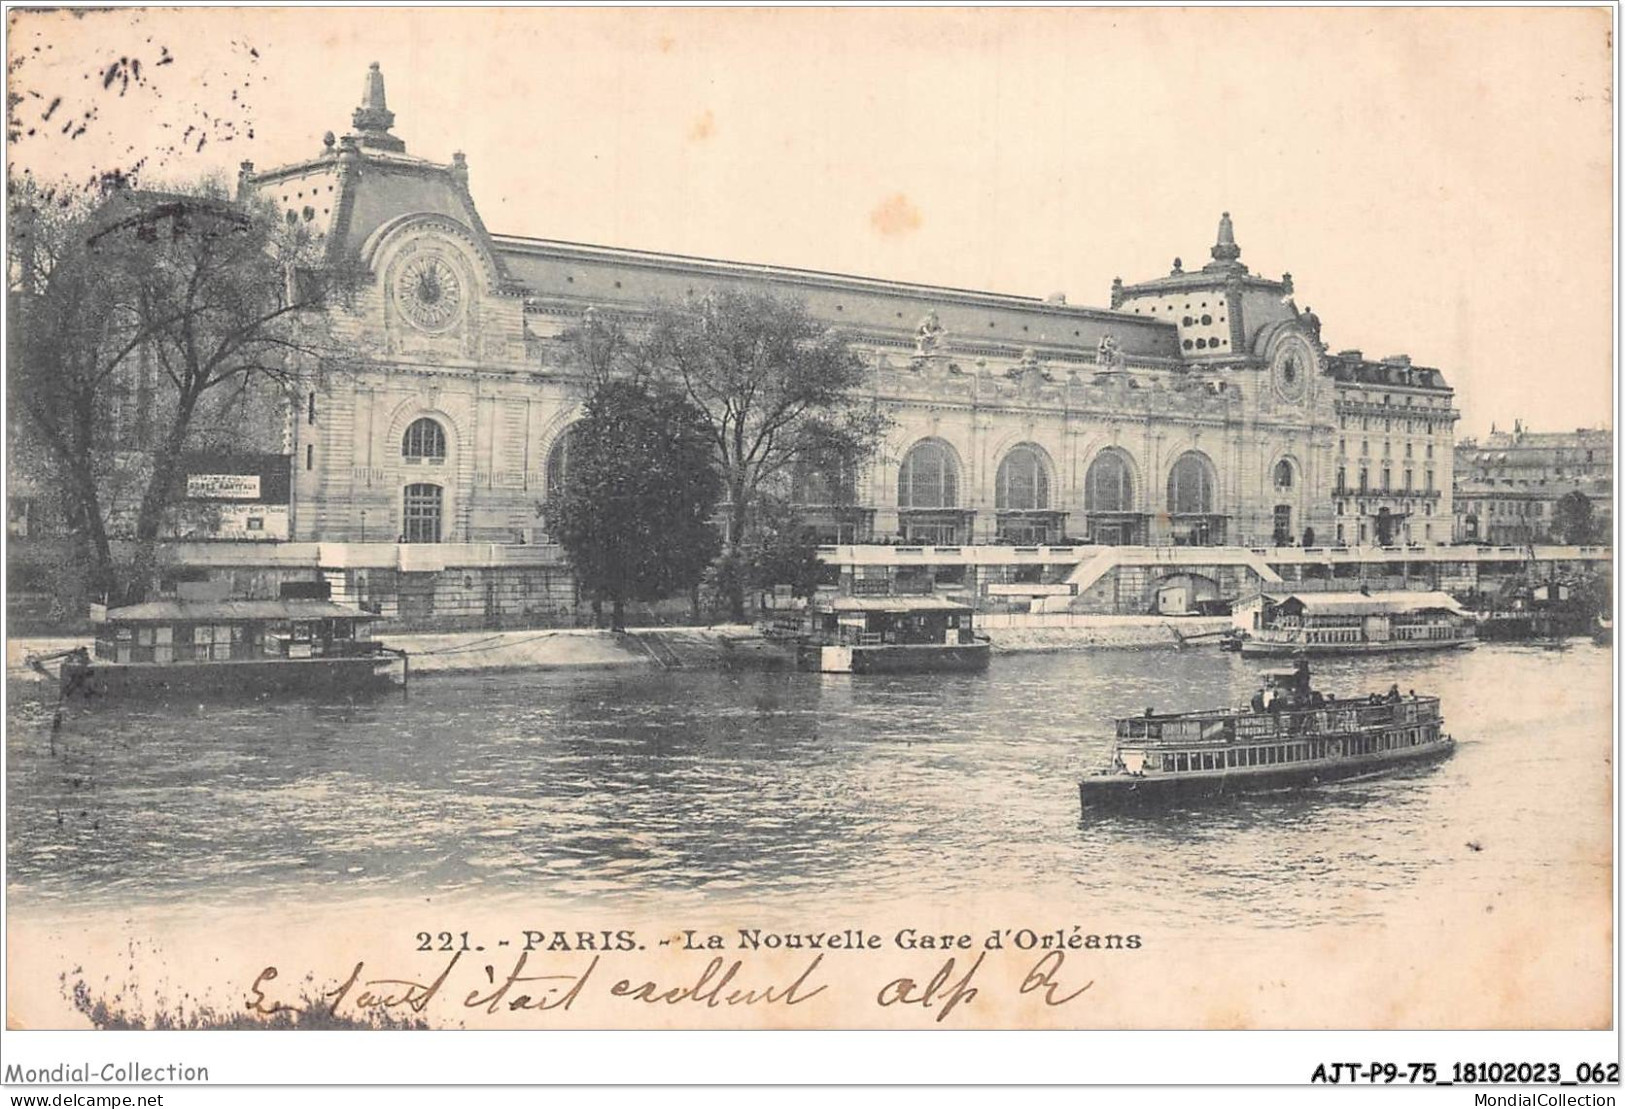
(429, 293)
(1292, 367)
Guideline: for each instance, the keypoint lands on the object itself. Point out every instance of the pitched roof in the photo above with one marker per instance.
(1351, 604)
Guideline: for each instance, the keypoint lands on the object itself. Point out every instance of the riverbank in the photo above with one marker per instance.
(699, 648)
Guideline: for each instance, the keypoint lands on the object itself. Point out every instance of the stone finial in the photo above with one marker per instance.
(459, 168)
(1286, 283)
(1226, 250)
(373, 119)
(245, 177)
(328, 139)
(1179, 265)
(1117, 292)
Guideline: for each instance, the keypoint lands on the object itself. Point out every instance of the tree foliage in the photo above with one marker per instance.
(775, 387)
(1573, 518)
(146, 325)
(780, 549)
(634, 513)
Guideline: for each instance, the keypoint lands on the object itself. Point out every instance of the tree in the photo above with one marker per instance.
(774, 387)
(634, 513)
(145, 325)
(1572, 518)
(780, 549)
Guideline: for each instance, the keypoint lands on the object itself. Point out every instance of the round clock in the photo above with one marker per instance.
(429, 293)
(1291, 368)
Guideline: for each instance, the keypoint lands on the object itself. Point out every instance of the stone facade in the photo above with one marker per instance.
(1200, 408)
(1508, 484)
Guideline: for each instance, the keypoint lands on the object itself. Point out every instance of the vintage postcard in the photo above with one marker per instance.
(811, 519)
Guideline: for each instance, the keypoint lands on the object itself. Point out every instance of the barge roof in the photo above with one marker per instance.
(1350, 604)
(230, 612)
(895, 604)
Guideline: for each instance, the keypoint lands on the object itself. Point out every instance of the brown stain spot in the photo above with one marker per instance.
(896, 215)
(703, 127)
(666, 42)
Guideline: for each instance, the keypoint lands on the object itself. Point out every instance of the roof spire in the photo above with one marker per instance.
(1226, 250)
(373, 119)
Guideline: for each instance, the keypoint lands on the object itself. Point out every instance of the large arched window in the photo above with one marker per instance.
(928, 477)
(1191, 486)
(424, 441)
(558, 461)
(1283, 475)
(1109, 485)
(420, 514)
(1022, 484)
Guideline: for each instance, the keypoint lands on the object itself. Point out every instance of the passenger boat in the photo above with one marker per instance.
(230, 648)
(1284, 625)
(1289, 736)
(890, 635)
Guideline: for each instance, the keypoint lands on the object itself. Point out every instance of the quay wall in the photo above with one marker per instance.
(428, 588)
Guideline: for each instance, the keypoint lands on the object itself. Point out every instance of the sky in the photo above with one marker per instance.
(1437, 181)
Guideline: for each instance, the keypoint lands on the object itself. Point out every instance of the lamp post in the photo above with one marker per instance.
(363, 525)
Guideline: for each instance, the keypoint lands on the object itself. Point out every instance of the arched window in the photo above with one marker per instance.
(928, 477)
(424, 441)
(1283, 475)
(1022, 484)
(1109, 486)
(558, 461)
(1190, 486)
(420, 514)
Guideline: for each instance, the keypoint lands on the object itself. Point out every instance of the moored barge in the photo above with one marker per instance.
(1290, 736)
(230, 648)
(890, 635)
(1296, 625)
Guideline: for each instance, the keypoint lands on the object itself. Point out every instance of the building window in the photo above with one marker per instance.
(1283, 475)
(1342, 478)
(1365, 479)
(310, 456)
(1340, 539)
(1022, 484)
(420, 515)
(1191, 486)
(310, 407)
(1407, 481)
(424, 441)
(1386, 483)
(1283, 525)
(1429, 479)
(928, 477)
(1109, 486)
(1365, 448)
(558, 462)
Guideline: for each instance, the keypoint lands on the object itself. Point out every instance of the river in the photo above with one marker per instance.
(663, 789)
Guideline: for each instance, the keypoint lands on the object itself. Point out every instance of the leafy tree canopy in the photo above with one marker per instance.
(147, 324)
(776, 389)
(634, 512)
